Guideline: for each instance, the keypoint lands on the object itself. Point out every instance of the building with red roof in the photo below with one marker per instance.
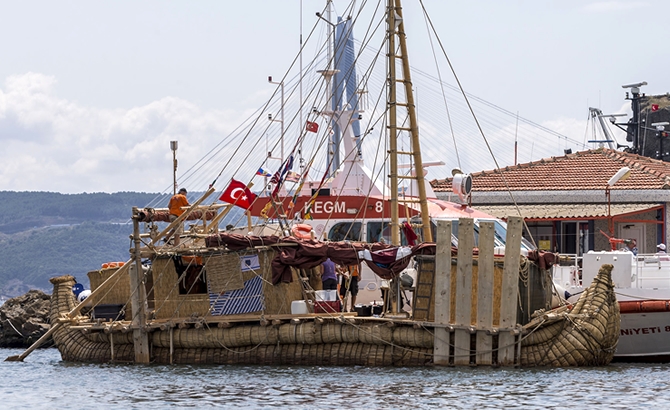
(564, 199)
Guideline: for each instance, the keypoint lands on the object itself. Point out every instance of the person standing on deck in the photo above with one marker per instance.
(350, 277)
(328, 276)
(177, 201)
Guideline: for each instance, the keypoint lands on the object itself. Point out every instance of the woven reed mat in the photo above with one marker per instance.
(224, 273)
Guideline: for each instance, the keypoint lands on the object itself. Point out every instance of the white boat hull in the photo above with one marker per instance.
(642, 286)
(644, 337)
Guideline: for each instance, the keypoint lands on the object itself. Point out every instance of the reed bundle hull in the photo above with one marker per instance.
(584, 336)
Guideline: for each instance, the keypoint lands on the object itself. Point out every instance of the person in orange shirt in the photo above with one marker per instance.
(177, 201)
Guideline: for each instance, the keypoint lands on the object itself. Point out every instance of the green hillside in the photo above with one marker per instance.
(47, 234)
(20, 211)
(34, 256)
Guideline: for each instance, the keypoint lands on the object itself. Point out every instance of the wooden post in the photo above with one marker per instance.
(442, 291)
(466, 241)
(510, 292)
(485, 293)
(214, 223)
(138, 299)
(38, 343)
(249, 226)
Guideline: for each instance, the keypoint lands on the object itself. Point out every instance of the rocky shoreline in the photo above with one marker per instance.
(24, 319)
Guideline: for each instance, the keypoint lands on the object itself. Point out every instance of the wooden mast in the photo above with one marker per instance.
(395, 20)
(393, 127)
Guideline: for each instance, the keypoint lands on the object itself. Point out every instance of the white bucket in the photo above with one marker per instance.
(298, 307)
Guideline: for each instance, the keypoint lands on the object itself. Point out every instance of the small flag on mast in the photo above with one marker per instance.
(292, 176)
(312, 126)
(654, 107)
(263, 173)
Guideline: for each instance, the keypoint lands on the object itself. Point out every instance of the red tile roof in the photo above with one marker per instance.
(585, 170)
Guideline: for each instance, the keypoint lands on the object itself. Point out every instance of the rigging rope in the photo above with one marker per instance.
(479, 127)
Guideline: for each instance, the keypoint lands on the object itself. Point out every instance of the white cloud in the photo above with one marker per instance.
(614, 6)
(52, 144)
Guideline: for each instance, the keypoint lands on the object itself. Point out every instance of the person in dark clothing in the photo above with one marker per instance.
(328, 276)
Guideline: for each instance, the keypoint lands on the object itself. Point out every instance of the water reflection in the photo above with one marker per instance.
(44, 381)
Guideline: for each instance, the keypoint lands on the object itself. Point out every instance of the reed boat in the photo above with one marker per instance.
(256, 298)
(246, 319)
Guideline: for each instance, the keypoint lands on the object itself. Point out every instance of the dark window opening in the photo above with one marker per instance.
(191, 275)
(345, 231)
(381, 232)
(322, 192)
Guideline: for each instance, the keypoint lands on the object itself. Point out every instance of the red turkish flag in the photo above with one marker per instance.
(312, 126)
(654, 107)
(238, 194)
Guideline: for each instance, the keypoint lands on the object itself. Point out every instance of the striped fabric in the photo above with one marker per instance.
(247, 300)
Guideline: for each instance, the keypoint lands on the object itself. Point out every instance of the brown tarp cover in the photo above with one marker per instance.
(307, 254)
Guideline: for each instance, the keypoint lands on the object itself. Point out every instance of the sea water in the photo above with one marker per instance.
(44, 381)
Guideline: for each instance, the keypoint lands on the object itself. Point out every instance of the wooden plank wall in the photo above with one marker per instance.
(470, 309)
(464, 282)
(442, 292)
(485, 294)
(510, 290)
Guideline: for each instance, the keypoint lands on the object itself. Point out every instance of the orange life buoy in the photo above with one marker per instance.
(302, 231)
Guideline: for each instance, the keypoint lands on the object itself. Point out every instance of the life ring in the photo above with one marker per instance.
(302, 231)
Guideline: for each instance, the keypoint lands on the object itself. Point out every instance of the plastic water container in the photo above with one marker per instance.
(83, 295)
(331, 295)
(299, 307)
(326, 295)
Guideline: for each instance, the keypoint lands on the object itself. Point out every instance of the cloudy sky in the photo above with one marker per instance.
(91, 93)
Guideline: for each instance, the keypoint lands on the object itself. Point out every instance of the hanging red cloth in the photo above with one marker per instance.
(409, 233)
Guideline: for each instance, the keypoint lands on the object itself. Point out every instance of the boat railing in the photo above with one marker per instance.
(651, 271)
(568, 271)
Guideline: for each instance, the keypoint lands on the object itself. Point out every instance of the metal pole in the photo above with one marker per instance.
(281, 85)
(173, 147)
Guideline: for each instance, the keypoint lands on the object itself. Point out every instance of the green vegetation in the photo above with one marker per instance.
(39, 254)
(20, 211)
(47, 234)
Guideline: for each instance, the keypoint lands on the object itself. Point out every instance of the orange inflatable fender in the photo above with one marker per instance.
(110, 265)
(302, 231)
